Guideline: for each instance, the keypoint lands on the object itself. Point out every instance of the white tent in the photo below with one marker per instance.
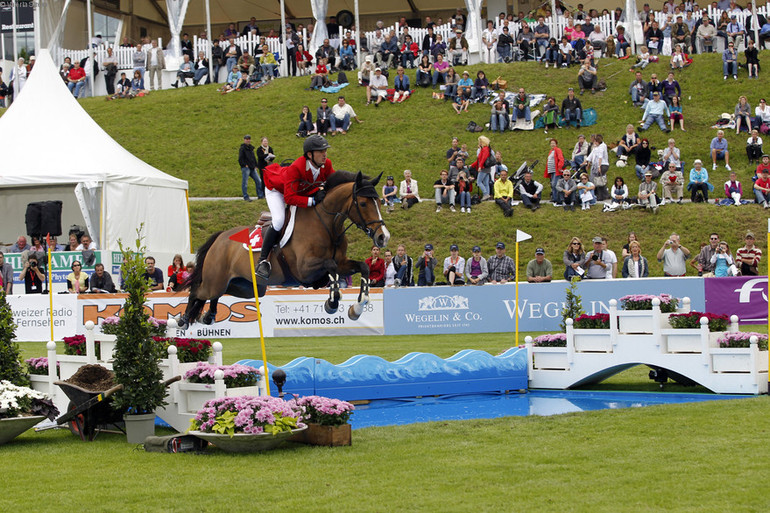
(53, 150)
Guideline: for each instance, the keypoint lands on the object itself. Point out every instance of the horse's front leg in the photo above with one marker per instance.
(332, 304)
(351, 267)
(211, 316)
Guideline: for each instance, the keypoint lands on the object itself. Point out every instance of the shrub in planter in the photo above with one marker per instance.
(246, 414)
(742, 339)
(592, 322)
(692, 320)
(668, 303)
(20, 401)
(188, 349)
(551, 340)
(11, 368)
(323, 410)
(236, 376)
(39, 366)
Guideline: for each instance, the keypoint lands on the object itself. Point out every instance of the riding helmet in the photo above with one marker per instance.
(315, 143)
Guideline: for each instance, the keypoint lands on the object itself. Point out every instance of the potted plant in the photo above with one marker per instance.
(189, 350)
(637, 315)
(591, 333)
(240, 380)
(734, 353)
(38, 373)
(686, 336)
(247, 423)
(136, 357)
(21, 408)
(326, 419)
(550, 351)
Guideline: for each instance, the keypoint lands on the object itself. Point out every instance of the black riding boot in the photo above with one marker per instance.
(270, 238)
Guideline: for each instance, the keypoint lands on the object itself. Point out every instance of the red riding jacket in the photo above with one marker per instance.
(296, 181)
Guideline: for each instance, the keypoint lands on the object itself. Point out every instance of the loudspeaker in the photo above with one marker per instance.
(43, 218)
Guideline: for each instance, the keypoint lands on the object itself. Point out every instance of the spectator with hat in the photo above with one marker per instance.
(672, 184)
(540, 268)
(647, 191)
(598, 263)
(501, 267)
(699, 182)
(425, 266)
(378, 86)
(476, 270)
(454, 267)
(457, 50)
(389, 193)
(748, 257)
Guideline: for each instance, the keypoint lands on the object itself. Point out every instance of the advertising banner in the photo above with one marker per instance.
(744, 296)
(62, 266)
(31, 313)
(491, 308)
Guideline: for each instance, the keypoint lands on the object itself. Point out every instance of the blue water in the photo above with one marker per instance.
(391, 412)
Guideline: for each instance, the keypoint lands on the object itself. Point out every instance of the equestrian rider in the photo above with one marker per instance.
(300, 185)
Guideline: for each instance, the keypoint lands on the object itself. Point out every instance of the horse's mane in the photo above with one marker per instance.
(339, 178)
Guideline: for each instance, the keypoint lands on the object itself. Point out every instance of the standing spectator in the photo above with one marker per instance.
(742, 114)
(153, 274)
(139, 58)
(598, 263)
(754, 147)
(341, 116)
(647, 191)
(292, 45)
(656, 111)
(504, 194)
(598, 164)
(722, 260)
(390, 269)
(704, 264)
(425, 266)
(265, 156)
(6, 275)
(323, 117)
(476, 269)
(587, 77)
(719, 151)
(573, 257)
(376, 268)
(155, 63)
(32, 276)
(762, 189)
(444, 190)
(217, 60)
(110, 65)
(530, 192)
(489, 42)
(484, 171)
(748, 257)
(672, 184)
(408, 191)
(248, 162)
(730, 61)
(699, 182)
(539, 269)
(402, 263)
(454, 267)
(635, 265)
(674, 257)
(501, 267)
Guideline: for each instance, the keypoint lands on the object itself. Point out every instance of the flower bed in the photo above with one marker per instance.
(742, 339)
(592, 322)
(248, 415)
(691, 320)
(16, 401)
(668, 303)
(235, 375)
(39, 366)
(189, 350)
(76, 345)
(323, 410)
(551, 340)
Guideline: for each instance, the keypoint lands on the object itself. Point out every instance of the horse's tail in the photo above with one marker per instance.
(195, 279)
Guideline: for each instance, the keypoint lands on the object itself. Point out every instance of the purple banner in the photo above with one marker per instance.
(744, 296)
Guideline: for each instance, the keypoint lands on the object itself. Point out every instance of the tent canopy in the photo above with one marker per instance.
(51, 145)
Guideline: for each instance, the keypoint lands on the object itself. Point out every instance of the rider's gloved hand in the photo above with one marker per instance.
(319, 196)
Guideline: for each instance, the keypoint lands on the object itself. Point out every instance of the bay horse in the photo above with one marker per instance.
(315, 255)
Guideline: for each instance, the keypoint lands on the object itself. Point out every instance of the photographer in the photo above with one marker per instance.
(33, 277)
(598, 263)
(674, 257)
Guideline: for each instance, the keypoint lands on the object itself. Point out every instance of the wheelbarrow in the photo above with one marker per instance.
(88, 410)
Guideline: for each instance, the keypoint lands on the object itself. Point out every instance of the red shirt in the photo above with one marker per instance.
(76, 74)
(296, 181)
(482, 157)
(761, 169)
(321, 70)
(376, 269)
(765, 184)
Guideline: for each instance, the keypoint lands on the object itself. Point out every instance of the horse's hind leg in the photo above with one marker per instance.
(332, 304)
(211, 315)
(349, 267)
(192, 312)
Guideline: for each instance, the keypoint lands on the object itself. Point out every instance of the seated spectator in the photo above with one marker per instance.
(504, 194)
(504, 45)
(376, 268)
(438, 48)
(764, 166)
(86, 244)
(378, 87)
(476, 270)
(77, 281)
(747, 258)
(32, 276)
(444, 190)
(409, 50)
(76, 79)
(622, 43)
(480, 87)
(451, 83)
(341, 116)
(235, 80)
(101, 281)
(246, 64)
(638, 90)
(465, 87)
(408, 191)
(671, 155)
(762, 114)
(328, 53)
(643, 59)
(597, 39)
(585, 191)
(635, 265)
(550, 114)
(754, 147)
(629, 143)
(551, 53)
(424, 72)
(304, 60)
(389, 193)
(762, 189)
(305, 122)
(619, 191)
(699, 182)
(525, 41)
(137, 85)
(565, 191)
(573, 258)
(587, 77)
(671, 88)
(530, 191)
(268, 64)
(401, 85)
(733, 191)
(153, 274)
(677, 60)
(321, 76)
(21, 245)
(201, 69)
(654, 38)
(730, 62)
(403, 265)
(425, 266)
(742, 114)
(752, 60)
(323, 117)
(565, 52)
(521, 106)
(647, 190)
(461, 103)
(719, 151)
(735, 31)
(498, 120)
(347, 56)
(706, 36)
(501, 267)
(571, 108)
(539, 269)
(676, 113)
(643, 156)
(680, 35)
(656, 111)
(672, 184)
(457, 49)
(175, 273)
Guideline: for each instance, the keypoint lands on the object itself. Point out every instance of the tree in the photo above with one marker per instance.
(573, 305)
(11, 368)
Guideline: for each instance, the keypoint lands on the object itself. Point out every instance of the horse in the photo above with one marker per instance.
(315, 256)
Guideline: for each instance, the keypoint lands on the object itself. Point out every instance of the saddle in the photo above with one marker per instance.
(265, 220)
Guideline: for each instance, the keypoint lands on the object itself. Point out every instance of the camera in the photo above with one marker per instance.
(33, 263)
(595, 257)
(669, 242)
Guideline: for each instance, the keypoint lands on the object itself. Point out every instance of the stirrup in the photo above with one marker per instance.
(263, 270)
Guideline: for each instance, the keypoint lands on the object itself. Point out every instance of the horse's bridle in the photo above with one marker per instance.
(339, 218)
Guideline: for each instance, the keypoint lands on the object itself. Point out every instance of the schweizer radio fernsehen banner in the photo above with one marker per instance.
(744, 296)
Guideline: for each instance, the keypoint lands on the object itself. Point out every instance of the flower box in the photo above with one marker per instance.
(638, 321)
(106, 348)
(553, 358)
(592, 341)
(732, 360)
(687, 340)
(40, 383)
(198, 393)
(329, 436)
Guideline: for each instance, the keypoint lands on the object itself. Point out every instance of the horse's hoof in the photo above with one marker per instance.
(331, 307)
(182, 323)
(355, 311)
(209, 318)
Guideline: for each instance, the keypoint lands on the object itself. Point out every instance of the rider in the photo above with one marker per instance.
(300, 185)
